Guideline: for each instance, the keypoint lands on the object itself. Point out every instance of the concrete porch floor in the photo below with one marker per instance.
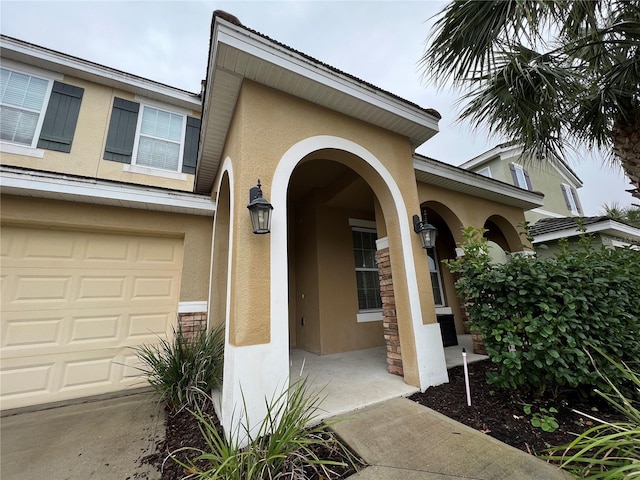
(353, 380)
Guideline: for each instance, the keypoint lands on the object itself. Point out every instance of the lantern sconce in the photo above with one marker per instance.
(427, 232)
(259, 210)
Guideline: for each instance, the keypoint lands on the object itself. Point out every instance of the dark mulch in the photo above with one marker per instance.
(182, 431)
(499, 412)
(494, 411)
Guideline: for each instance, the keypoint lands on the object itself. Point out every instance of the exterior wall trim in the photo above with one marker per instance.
(64, 187)
(192, 307)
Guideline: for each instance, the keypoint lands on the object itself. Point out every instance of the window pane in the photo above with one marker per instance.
(17, 126)
(522, 181)
(161, 124)
(22, 98)
(437, 294)
(158, 154)
(22, 90)
(367, 276)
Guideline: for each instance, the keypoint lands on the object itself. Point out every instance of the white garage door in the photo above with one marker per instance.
(72, 304)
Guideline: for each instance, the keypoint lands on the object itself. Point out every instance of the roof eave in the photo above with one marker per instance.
(608, 227)
(238, 53)
(461, 180)
(30, 54)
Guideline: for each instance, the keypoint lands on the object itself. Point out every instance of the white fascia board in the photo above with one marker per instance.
(498, 151)
(259, 47)
(610, 227)
(95, 190)
(567, 174)
(99, 71)
(450, 172)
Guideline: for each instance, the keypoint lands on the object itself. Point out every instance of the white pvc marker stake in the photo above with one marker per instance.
(466, 376)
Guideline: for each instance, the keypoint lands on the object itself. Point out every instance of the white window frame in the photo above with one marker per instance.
(7, 146)
(568, 192)
(485, 172)
(146, 169)
(521, 178)
(368, 314)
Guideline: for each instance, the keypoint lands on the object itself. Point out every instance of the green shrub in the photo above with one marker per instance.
(284, 445)
(608, 450)
(537, 316)
(182, 369)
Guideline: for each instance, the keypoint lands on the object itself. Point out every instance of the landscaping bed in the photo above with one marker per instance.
(500, 413)
(182, 431)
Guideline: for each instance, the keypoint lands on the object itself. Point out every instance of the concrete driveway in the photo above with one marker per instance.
(93, 440)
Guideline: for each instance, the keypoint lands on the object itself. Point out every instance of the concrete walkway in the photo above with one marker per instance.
(403, 440)
(100, 440)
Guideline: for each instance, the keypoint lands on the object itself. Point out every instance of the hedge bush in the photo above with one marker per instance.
(539, 317)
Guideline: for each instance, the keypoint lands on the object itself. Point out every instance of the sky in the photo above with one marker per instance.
(380, 42)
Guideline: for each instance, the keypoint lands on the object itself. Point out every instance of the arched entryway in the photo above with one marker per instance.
(262, 369)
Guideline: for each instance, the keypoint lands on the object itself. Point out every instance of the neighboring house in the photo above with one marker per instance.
(606, 231)
(555, 179)
(112, 233)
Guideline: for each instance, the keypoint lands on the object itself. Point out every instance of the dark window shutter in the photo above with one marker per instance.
(528, 179)
(512, 167)
(61, 118)
(191, 139)
(574, 194)
(122, 131)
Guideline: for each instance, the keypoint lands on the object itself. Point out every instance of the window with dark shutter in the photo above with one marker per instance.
(191, 139)
(61, 118)
(574, 194)
(520, 177)
(122, 131)
(571, 199)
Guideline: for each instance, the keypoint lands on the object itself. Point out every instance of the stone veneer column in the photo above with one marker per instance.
(389, 319)
(192, 323)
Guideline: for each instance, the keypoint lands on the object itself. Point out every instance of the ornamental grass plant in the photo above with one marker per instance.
(182, 368)
(288, 444)
(608, 450)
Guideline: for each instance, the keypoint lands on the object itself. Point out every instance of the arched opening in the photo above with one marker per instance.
(333, 276)
(219, 282)
(442, 280)
(501, 232)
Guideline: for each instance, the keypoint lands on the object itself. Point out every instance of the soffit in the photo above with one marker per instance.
(459, 180)
(238, 53)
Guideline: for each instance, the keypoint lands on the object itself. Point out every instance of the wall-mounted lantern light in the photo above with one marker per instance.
(427, 232)
(260, 210)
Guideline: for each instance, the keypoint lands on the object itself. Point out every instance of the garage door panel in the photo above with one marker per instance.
(30, 334)
(65, 376)
(75, 304)
(20, 380)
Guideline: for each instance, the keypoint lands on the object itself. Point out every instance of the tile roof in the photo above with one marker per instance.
(550, 225)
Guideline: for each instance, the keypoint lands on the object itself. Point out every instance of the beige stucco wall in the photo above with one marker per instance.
(87, 149)
(196, 230)
(544, 177)
(325, 283)
(265, 125)
(475, 211)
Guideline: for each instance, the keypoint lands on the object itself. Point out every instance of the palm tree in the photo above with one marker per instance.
(552, 75)
(629, 215)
